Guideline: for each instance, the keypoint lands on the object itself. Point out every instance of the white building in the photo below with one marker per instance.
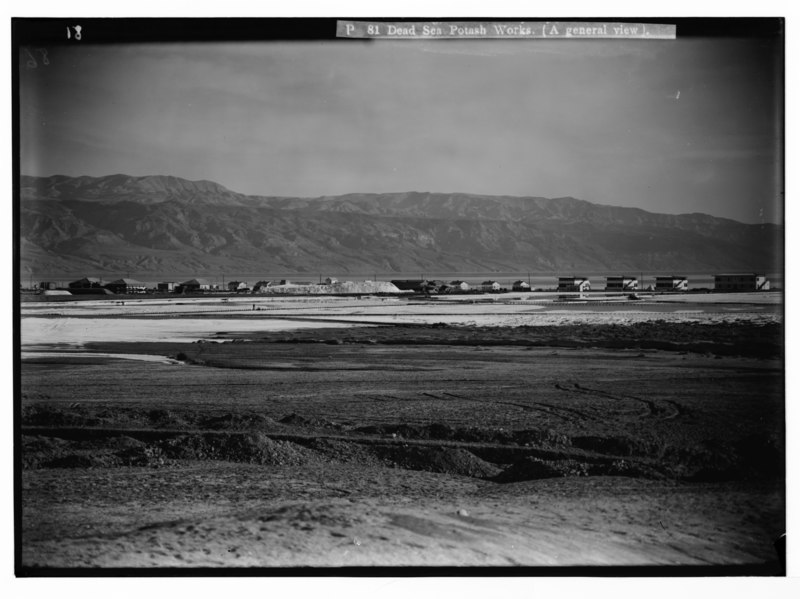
(521, 286)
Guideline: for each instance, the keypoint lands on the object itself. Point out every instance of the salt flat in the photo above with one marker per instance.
(191, 319)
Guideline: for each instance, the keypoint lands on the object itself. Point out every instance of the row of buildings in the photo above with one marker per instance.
(129, 286)
(615, 283)
(672, 283)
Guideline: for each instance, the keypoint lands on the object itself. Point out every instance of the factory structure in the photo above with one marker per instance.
(741, 282)
(579, 284)
(624, 284)
(672, 283)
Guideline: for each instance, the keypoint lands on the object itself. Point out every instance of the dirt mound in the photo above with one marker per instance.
(614, 445)
(530, 468)
(145, 455)
(165, 419)
(252, 448)
(44, 415)
(72, 460)
(442, 432)
(342, 451)
(123, 442)
(295, 419)
(38, 450)
(52, 452)
(753, 457)
(437, 459)
(232, 421)
(36, 443)
(626, 468)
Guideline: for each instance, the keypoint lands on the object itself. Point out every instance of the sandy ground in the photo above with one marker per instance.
(48, 332)
(236, 515)
(388, 450)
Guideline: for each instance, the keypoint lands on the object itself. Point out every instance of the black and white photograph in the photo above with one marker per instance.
(369, 295)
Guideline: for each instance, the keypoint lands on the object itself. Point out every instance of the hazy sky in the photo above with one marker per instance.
(692, 125)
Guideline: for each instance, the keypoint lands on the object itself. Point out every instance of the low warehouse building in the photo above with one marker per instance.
(580, 284)
(86, 283)
(193, 286)
(415, 285)
(672, 283)
(741, 282)
(622, 283)
(123, 286)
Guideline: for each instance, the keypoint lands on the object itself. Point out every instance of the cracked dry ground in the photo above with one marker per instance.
(385, 450)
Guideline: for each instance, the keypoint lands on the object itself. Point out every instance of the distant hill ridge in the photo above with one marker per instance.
(159, 224)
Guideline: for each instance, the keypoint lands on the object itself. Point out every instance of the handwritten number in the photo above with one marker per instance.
(31, 64)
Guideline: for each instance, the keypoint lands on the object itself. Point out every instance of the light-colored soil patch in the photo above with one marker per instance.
(237, 515)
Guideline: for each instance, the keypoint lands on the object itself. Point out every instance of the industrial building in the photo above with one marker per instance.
(417, 285)
(622, 283)
(86, 283)
(573, 283)
(123, 286)
(672, 283)
(193, 286)
(741, 282)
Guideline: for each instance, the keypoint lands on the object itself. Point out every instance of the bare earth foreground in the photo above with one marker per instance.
(655, 442)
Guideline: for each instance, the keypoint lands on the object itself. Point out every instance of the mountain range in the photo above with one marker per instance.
(166, 226)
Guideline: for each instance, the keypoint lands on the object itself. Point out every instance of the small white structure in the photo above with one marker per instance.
(459, 285)
(521, 286)
(490, 286)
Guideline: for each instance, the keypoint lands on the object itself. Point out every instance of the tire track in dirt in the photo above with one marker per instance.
(546, 408)
(653, 409)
